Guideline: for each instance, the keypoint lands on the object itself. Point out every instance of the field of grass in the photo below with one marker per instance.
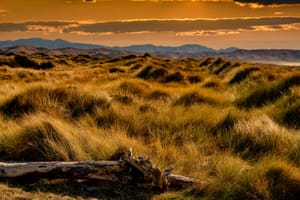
(234, 126)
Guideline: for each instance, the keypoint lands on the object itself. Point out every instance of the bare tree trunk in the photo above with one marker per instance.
(127, 171)
(102, 170)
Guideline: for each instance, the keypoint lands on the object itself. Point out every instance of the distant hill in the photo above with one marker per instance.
(59, 44)
(61, 47)
(49, 44)
(190, 48)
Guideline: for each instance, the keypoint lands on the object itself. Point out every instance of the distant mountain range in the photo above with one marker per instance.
(61, 44)
(61, 47)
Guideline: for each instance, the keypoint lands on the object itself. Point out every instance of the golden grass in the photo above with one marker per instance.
(232, 125)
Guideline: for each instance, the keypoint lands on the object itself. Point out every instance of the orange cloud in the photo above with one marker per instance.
(89, 1)
(207, 33)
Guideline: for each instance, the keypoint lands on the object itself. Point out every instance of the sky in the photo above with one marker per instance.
(248, 24)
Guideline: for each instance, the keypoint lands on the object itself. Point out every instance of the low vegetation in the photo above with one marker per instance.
(234, 126)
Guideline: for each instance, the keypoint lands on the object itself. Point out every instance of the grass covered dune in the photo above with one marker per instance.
(234, 126)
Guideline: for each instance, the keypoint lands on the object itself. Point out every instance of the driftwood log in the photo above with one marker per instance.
(128, 170)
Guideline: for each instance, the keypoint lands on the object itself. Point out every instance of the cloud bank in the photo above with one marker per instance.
(269, 2)
(183, 27)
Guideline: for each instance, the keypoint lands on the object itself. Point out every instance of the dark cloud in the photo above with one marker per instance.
(269, 2)
(151, 25)
(181, 25)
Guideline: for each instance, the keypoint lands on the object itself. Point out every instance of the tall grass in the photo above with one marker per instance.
(268, 94)
(235, 130)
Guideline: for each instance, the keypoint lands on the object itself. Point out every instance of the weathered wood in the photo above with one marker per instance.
(101, 170)
(129, 170)
(178, 181)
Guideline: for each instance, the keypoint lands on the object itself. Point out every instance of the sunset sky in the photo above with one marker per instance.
(249, 24)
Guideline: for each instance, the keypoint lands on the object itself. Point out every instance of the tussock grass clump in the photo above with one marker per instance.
(158, 73)
(123, 99)
(25, 62)
(46, 65)
(194, 79)
(39, 142)
(192, 98)
(135, 87)
(281, 178)
(114, 60)
(174, 77)
(206, 62)
(257, 136)
(270, 178)
(224, 126)
(291, 117)
(42, 137)
(268, 94)
(158, 95)
(67, 101)
(129, 57)
(151, 73)
(222, 68)
(136, 67)
(233, 180)
(211, 84)
(145, 72)
(115, 70)
(242, 75)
